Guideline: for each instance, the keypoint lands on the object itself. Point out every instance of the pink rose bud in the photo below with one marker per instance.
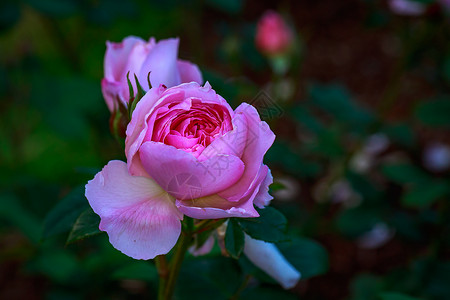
(273, 36)
(139, 57)
(407, 7)
(188, 153)
(268, 258)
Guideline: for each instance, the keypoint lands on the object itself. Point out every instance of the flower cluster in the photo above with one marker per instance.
(188, 154)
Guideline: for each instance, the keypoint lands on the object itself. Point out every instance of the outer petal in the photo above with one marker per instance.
(183, 176)
(116, 57)
(189, 72)
(112, 92)
(204, 249)
(140, 218)
(263, 197)
(259, 140)
(137, 129)
(268, 258)
(215, 207)
(161, 62)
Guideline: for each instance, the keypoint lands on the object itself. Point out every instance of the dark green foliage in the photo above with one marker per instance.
(270, 226)
(234, 238)
(351, 75)
(85, 226)
(64, 215)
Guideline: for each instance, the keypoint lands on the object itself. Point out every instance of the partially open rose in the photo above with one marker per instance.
(187, 153)
(140, 58)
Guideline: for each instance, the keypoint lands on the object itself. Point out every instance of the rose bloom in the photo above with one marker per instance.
(273, 36)
(188, 153)
(140, 57)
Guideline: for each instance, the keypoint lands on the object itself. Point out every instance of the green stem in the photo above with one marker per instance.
(163, 272)
(208, 225)
(175, 265)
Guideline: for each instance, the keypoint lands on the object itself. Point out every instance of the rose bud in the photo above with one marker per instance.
(268, 258)
(273, 36)
(188, 153)
(139, 57)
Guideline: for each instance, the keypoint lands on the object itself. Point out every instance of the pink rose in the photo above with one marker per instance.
(139, 57)
(188, 153)
(273, 36)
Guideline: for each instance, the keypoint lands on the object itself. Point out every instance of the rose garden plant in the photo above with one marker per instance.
(192, 164)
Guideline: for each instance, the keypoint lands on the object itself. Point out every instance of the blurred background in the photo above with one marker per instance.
(359, 100)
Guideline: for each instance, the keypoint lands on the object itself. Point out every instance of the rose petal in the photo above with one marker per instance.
(140, 218)
(215, 207)
(183, 176)
(259, 140)
(137, 129)
(161, 62)
(263, 197)
(268, 258)
(203, 249)
(116, 57)
(233, 142)
(189, 72)
(112, 92)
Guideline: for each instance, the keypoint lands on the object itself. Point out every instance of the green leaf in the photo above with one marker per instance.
(234, 239)
(426, 194)
(304, 116)
(270, 226)
(14, 212)
(130, 88)
(336, 101)
(404, 173)
(366, 287)
(59, 265)
(135, 100)
(62, 217)
(355, 221)
(434, 113)
(289, 158)
(401, 134)
(201, 277)
(85, 226)
(395, 296)
(307, 256)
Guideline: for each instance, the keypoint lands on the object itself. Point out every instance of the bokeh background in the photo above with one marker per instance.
(361, 160)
